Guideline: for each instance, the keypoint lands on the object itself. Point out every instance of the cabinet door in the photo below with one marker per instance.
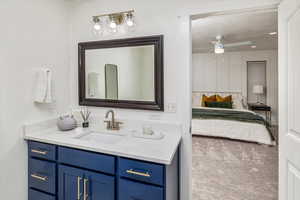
(98, 186)
(70, 183)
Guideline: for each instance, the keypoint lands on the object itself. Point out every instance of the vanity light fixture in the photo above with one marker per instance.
(111, 22)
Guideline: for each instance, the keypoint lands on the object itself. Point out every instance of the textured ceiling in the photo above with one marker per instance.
(253, 26)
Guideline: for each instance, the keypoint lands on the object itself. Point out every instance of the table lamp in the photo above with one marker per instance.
(258, 90)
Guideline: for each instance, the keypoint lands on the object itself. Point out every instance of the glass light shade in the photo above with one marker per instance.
(219, 48)
(129, 19)
(219, 51)
(97, 26)
(113, 27)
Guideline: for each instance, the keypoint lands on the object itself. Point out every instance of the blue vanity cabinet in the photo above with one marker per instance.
(99, 186)
(36, 195)
(142, 171)
(42, 175)
(82, 185)
(70, 183)
(88, 160)
(64, 173)
(130, 190)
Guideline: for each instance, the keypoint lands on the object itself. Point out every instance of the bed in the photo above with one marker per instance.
(237, 123)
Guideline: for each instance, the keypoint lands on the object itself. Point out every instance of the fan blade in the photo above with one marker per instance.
(203, 50)
(237, 44)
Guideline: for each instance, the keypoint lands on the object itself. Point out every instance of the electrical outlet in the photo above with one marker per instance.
(171, 108)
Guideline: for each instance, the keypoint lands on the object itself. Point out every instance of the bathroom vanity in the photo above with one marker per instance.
(65, 166)
(120, 164)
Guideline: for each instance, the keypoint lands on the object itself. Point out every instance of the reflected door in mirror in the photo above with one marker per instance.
(111, 82)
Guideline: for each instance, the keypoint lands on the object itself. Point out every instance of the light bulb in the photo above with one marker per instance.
(97, 26)
(129, 22)
(113, 25)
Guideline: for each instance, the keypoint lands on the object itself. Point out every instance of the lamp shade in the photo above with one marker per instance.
(258, 89)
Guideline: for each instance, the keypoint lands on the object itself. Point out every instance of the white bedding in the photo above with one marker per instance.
(232, 129)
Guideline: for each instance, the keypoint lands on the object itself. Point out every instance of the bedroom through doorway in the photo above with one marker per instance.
(235, 105)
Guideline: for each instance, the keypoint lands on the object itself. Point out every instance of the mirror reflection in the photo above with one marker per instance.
(123, 73)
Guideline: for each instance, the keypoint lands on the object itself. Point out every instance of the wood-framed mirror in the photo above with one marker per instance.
(123, 73)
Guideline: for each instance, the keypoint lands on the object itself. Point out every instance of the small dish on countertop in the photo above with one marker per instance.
(154, 136)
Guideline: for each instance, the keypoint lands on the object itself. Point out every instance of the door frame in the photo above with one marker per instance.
(192, 17)
(266, 81)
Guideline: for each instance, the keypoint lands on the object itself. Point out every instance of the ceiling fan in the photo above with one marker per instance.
(219, 47)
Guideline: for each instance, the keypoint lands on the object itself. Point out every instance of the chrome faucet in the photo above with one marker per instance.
(111, 124)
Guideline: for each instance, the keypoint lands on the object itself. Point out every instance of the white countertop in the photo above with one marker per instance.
(158, 151)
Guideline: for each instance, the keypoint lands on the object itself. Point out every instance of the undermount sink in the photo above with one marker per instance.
(101, 137)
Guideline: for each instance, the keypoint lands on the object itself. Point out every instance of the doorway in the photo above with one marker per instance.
(230, 161)
(256, 82)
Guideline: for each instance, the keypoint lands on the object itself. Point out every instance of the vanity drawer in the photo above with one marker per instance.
(142, 171)
(42, 150)
(87, 160)
(42, 175)
(130, 190)
(35, 195)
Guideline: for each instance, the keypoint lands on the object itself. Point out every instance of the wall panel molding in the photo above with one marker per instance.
(228, 73)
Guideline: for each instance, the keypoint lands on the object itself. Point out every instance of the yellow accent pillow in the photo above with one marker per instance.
(207, 99)
(224, 99)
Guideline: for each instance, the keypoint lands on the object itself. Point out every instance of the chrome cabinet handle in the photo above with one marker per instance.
(85, 192)
(78, 188)
(39, 152)
(131, 171)
(41, 178)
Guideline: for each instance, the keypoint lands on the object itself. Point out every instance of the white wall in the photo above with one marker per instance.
(228, 73)
(28, 44)
(172, 19)
(33, 33)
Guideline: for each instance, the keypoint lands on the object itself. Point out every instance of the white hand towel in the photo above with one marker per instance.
(43, 93)
(49, 98)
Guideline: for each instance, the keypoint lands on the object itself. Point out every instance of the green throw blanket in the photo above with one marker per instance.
(228, 115)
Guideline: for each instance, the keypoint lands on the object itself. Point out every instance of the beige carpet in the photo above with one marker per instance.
(232, 170)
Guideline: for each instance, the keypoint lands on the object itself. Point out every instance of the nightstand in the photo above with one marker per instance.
(263, 108)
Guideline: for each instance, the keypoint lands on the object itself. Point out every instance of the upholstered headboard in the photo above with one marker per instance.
(237, 98)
